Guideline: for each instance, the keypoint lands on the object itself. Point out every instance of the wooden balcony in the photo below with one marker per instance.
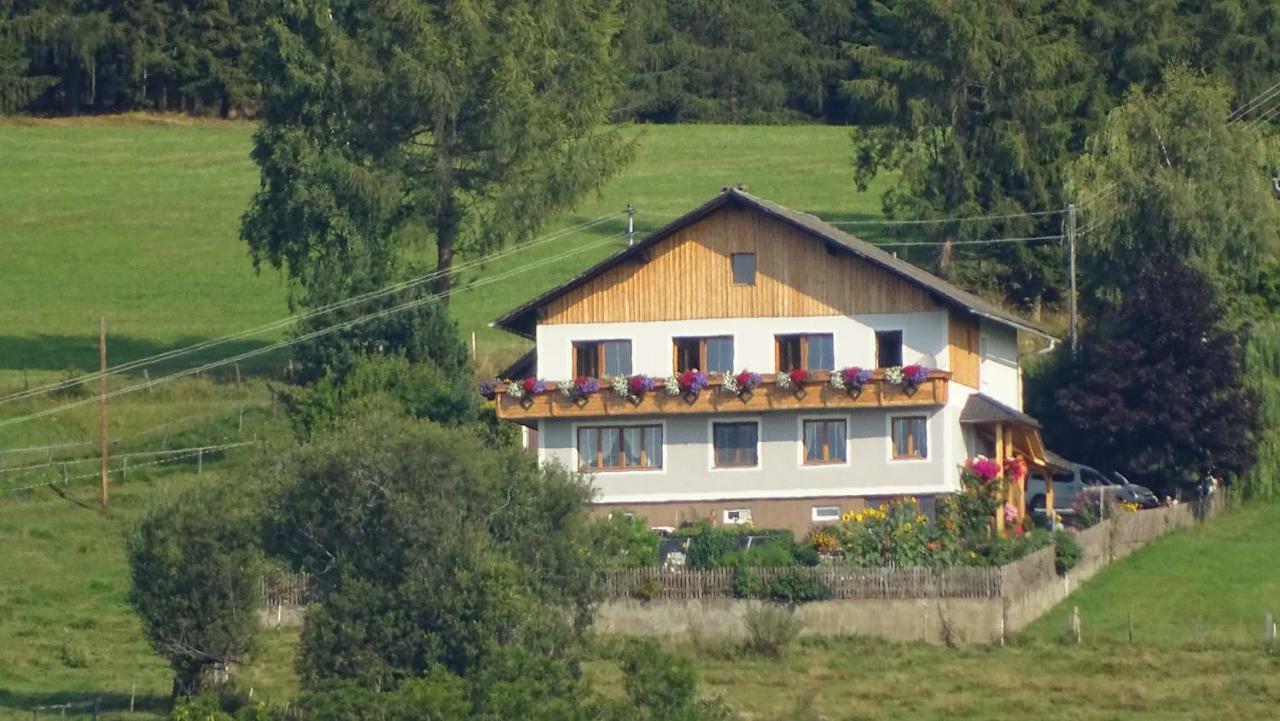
(817, 395)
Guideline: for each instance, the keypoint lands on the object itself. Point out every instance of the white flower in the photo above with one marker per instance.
(672, 385)
(893, 375)
(515, 389)
(730, 384)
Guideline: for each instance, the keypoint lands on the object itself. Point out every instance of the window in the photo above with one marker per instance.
(737, 516)
(710, 355)
(824, 441)
(734, 444)
(826, 513)
(617, 448)
(910, 437)
(888, 348)
(813, 352)
(744, 268)
(600, 358)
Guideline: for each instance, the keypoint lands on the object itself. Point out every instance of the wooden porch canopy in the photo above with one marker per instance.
(1016, 435)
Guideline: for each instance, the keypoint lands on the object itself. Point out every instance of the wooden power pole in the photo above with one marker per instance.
(1075, 313)
(102, 392)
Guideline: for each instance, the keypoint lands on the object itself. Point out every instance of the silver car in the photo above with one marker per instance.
(1068, 485)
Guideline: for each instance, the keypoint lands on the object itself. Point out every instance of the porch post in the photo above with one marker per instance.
(1048, 497)
(1000, 463)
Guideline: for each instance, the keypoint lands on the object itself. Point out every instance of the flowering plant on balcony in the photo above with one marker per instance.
(489, 388)
(915, 374)
(527, 388)
(580, 388)
(688, 384)
(793, 380)
(893, 374)
(852, 378)
(741, 384)
(632, 388)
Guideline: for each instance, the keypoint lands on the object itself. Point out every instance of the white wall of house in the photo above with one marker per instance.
(688, 472)
(924, 340)
(1001, 378)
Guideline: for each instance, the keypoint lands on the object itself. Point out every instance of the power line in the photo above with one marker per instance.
(277, 324)
(1248, 107)
(928, 221)
(985, 241)
(313, 334)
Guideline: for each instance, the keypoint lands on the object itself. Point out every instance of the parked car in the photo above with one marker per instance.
(1068, 485)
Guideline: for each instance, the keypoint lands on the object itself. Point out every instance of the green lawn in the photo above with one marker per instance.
(136, 219)
(1210, 585)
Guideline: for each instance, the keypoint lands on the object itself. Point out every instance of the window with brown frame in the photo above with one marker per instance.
(812, 352)
(712, 354)
(734, 444)
(601, 358)
(619, 448)
(825, 441)
(910, 437)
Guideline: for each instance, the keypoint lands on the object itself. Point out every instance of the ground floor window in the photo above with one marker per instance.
(824, 441)
(826, 513)
(734, 444)
(735, 516)
(615, 448)
(910, 437)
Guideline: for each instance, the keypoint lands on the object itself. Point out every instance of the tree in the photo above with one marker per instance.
(1158, 390)
(391, 125)
(433, 551)
(977, 105)
(194, 567)
(1169, 175)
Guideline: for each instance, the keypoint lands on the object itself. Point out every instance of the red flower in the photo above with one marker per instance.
(799, 376)
(530, 386)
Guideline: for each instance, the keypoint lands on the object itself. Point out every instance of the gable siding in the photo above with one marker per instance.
(963, 334)
(688, 276)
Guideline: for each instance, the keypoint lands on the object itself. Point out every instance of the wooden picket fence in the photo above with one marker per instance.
(285, 589)
(845, 582)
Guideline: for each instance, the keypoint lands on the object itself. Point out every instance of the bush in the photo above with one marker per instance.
(771, 630)
(647, 589)
(794, 587)
(660, 686)
(1066, 552)
(622, 541)
(710, 547)
(745, 582)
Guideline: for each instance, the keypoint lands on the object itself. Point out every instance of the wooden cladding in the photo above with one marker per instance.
(690, 275)
(818, 395)
(963, 339)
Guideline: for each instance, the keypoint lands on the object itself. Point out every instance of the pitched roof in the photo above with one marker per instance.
(982, 408)
(522, 319)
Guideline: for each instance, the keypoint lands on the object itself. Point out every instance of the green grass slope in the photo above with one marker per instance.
(1209, 585)
(137, 219)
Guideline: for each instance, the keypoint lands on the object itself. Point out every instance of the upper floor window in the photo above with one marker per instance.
(599, 358)
(824, 441)
(619, 448)
(888, 348)
(710, 355)
(744, 268)
(813, 352)
(910, 437)
(734, 444)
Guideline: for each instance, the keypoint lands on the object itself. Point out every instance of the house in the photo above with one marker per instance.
(743, 284)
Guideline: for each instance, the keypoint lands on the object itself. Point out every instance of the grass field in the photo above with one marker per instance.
(68, 634)
(137, 219)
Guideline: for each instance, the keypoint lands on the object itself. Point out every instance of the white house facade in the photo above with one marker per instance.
(742, 286)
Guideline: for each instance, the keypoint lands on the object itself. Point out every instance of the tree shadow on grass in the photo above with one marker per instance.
(79, 353)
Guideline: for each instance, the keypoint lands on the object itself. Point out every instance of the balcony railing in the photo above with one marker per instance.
(815, 394)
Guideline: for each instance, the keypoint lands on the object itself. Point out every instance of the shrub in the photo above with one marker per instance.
(622, 541)
(771, 629)
(647, 589)
(709, 548)
(1066, 552)
(794, 587)
(745, 582)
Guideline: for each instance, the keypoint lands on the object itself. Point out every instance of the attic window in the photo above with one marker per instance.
(744, 268)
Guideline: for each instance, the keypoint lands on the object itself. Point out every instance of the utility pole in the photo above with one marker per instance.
(631, 224)
(1071, 243)
(102, 392)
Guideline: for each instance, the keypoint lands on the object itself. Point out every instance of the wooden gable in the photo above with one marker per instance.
(689, 275)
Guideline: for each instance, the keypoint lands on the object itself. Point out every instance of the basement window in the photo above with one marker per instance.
(826, 513)
(737, 516)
